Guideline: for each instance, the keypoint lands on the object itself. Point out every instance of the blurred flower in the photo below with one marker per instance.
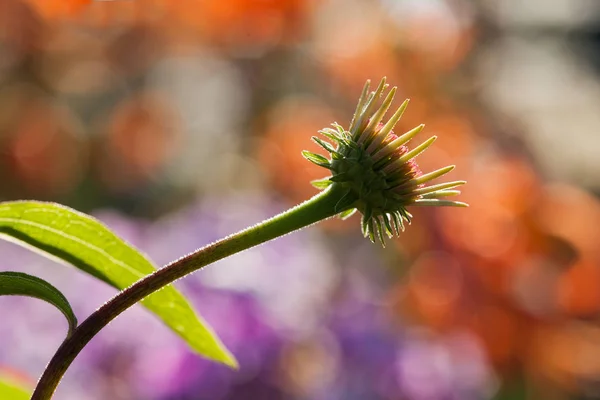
(346, 55)
(59, 8)
(211, 98)
(43, 141)
(111, 15)
(433, 289)
(288, 125)
(21, 28)
(141, 136)
(452, 366)
(566, 355)
(502, 188)
(245, 27)
(241, 320)
(516, 274)
(136, 49)
(73, 62)
(435, 34)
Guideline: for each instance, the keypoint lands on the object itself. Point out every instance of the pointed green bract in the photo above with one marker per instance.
(367, 111)
(347, 214)
(379, 114)
(387, 128)
(417, 150)
(82, 241)
(441, 193)
(324, 144)
(439, 186)
(388, 225)
(359, 107)
(439, 203)
(397, 143)
(316, 158)
(20, 284)
(321, 183)
(435, 174)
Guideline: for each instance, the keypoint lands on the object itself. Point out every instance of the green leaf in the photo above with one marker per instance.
(10, 389)
(78, 239)
(20, 284)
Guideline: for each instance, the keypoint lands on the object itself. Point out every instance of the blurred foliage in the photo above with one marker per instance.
(13, 386)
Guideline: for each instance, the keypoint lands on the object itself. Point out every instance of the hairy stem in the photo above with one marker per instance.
(324, 205)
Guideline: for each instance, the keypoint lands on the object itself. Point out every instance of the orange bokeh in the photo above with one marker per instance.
(51, 9)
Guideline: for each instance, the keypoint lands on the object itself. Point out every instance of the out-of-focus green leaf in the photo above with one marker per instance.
(84, 242)
(18, 283)
(10, 390)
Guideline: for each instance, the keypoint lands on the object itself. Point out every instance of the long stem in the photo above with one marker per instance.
(322, 206)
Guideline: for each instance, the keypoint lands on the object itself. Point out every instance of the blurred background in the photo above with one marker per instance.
(179, 122)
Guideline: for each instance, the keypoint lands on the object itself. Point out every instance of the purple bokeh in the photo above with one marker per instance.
(304, 322)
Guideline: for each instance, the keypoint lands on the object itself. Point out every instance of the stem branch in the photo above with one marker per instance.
(324, 205)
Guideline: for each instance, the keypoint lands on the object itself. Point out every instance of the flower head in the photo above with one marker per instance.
(377, 170)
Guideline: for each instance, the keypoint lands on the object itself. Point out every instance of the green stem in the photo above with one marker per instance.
(324, 205)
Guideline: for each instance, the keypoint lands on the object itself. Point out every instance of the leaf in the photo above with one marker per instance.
(76, 238)
(18, 283)
(10, 389)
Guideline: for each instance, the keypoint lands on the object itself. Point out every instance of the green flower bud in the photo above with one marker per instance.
(376, 169)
